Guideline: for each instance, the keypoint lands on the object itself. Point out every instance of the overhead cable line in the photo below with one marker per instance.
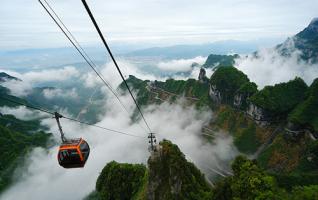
(80, 50)
(68, 118)
(114, 61)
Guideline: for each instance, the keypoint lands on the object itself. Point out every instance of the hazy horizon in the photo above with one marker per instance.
(153, 23)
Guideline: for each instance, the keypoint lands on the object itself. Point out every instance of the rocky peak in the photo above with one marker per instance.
(171, 176)
(202, 76)
(310, 32)
(314, 23)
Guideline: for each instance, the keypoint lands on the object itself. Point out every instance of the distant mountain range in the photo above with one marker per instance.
(304, 42)
(190, 51)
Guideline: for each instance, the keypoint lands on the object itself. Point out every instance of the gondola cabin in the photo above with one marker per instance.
(73, 153)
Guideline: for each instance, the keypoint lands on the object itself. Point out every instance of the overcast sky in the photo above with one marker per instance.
(24, 24)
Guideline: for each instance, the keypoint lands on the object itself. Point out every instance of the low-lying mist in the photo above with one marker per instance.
(42, 178)
(270, 67)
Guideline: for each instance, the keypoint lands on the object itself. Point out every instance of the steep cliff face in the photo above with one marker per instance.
(259, 115)
(243, 94)
(171, 176)
(215, 94)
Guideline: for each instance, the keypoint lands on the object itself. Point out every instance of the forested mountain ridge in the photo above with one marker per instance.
(17, 137)
(266, 124)
(170, 176)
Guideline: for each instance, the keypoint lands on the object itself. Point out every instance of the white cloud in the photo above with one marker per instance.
(270, 67)
(46, 75)
(43, 178)
(18, 88)
(59, 93)
(111, 74)
(22, 113)
(180, 65)
(29, 79)
(50, 75)
(90, 80)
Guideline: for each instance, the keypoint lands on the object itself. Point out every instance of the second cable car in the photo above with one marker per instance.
(73, 153)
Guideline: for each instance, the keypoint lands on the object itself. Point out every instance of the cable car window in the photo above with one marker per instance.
(84, 147)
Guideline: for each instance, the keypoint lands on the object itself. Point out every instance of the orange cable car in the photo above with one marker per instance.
(73, 153)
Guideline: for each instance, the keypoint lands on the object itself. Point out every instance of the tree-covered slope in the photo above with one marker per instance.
(214, 60)
(280, 98)
(13, 147)
(171, 176)
(306, 113)
(151, 92)
(120, 181)
(168, 176)
(5, 93)
(250, 182)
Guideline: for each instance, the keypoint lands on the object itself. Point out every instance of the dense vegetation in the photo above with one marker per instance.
(17, 137)
(280, 98)
(247, 135)
(171, 176)
(5, 93)
(245, 92)
(138, 86)
(14, 145)
(188, 88)
(251, 182)
(120, 181)
(228, 80)
(219, 60)
(306, 113)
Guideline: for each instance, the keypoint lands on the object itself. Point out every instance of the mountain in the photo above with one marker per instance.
(168, 176)
(275, 125)
(5, 77)
(214, 60)
(17, 137)
(190, 51)
(305, 41)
